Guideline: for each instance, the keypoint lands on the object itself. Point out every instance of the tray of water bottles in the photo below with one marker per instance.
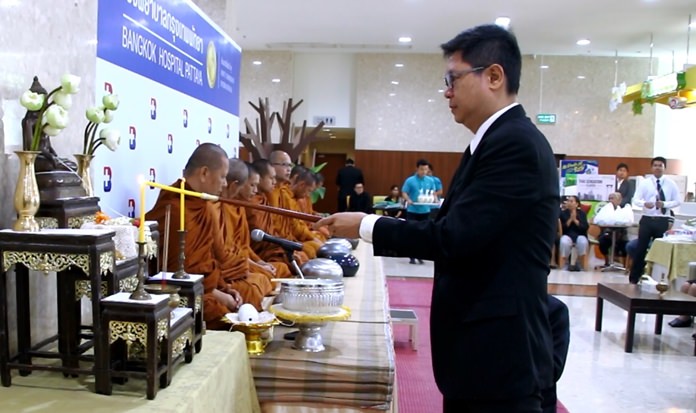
(428, 198)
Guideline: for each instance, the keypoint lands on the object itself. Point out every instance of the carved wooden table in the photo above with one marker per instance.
(67, 212)
(61, 250)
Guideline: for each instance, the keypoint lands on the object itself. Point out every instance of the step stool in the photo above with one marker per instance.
(406, 316)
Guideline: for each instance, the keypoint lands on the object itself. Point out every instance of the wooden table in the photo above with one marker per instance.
(641, 300)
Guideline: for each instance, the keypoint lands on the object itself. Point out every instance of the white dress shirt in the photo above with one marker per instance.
(367, 224)
(647, 192)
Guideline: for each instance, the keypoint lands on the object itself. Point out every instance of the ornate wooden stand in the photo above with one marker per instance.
(191, 293)
(67, 212)
(65, 251)
(150, 323)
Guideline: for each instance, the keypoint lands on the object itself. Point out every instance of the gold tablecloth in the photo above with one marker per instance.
(354, 373)
(673, 254)
(218, 380)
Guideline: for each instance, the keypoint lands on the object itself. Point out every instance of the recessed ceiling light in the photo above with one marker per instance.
(392, 94)
(276, 80)
(394, 82)
(399, 65)
(256, 62)
(583, 42)
(581, 77)
(544, 67)
(503, 22)
(431, 100)
(405, 39)
(441, 91)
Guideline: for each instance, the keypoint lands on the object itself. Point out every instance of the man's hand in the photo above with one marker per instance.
(659, 204)
(343, 224)
(649, 205)
(228, 299)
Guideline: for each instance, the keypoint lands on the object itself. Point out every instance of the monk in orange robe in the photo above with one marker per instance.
(303, 183)
(282, 197)
(264, 220)
(205, 171)
(237, 235)
(247, 192)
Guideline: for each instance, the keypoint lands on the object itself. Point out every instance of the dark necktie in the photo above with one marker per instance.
(661, 195)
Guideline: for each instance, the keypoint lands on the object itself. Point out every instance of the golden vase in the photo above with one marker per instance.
(83, 170)
(26, 198)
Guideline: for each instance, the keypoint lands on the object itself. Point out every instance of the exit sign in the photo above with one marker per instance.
(546, 119)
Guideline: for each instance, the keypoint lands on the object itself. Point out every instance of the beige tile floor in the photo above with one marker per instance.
(659, 376)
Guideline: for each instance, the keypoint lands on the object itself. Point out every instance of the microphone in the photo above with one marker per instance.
(258, 235)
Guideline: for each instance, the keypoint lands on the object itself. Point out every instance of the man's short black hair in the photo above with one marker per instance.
(486, 45)
(349, 161)
(622, 165)
(421, 162)
(659, 158)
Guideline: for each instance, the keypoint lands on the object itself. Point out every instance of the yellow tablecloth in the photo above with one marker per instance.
(218, 380)
(673, 254)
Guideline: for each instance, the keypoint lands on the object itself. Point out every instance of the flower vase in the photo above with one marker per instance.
(26, 198)
(83, 170)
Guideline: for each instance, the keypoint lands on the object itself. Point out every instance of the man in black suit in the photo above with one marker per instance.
(624, 186)
(346, 179)
(491, 241)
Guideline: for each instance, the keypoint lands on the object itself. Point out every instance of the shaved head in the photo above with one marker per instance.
(238, 171)
(206, 154)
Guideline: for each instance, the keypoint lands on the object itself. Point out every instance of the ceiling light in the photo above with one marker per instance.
(405, 39)
(431, 100)
(583, 42)
(399, 65)
(503, 22)
(441, 91)
(256, 63)
(276, 80)
(392, 94)
(581, 77)
(394, 82)
(544, 67)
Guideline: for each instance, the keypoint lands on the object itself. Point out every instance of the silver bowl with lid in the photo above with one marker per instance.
(312, 296)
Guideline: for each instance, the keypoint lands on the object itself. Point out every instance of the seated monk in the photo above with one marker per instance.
(282, 197)
(263, 220)
(247, 192)
(303, 183)
(205, 171)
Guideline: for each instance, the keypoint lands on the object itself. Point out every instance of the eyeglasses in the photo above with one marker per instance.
(451, 76)
(284, 164)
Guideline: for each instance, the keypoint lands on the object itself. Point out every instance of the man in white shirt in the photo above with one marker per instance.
(656, 195)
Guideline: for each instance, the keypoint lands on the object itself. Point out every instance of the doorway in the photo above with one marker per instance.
(334, 162)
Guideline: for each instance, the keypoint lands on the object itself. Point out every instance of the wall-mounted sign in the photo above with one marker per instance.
(659, 85)
(546, 119)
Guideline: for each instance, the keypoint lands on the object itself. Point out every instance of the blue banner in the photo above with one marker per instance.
(170, 42)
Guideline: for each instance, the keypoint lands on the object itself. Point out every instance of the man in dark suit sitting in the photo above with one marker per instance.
(490, 332)
(624, 186)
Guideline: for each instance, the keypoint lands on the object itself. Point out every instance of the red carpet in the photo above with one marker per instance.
(414, 373)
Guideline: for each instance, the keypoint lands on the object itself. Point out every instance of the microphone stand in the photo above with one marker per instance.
(293, 263)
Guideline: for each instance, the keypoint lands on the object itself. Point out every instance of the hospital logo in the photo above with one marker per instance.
(210, 125)
(185, 118)
(170, 143)
(153, 108)
(108, 175)
(132, 132)
(131, 208)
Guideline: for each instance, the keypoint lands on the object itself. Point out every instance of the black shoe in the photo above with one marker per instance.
(412, 261)
(680, 323)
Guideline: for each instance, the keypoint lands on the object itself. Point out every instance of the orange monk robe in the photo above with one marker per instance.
(234, 263)
(292, 228)
(200, 259)
(238, 236)
(263, 220)
(305, 205)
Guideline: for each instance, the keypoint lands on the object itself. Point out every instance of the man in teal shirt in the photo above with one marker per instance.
(418, 184)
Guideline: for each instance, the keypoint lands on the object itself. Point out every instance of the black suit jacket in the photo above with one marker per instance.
(491, 243)
(346, 179)
(626, 189)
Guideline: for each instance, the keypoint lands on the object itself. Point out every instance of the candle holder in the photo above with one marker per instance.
(181, 274)
(140, 293)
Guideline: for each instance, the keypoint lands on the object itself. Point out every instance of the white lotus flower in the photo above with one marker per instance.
(63, 99)
(51, 131)
(70, 83)
(110, 102)
(95, 115)
(111, 138)
(56, 117)
(32, 101)
(108, 116)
